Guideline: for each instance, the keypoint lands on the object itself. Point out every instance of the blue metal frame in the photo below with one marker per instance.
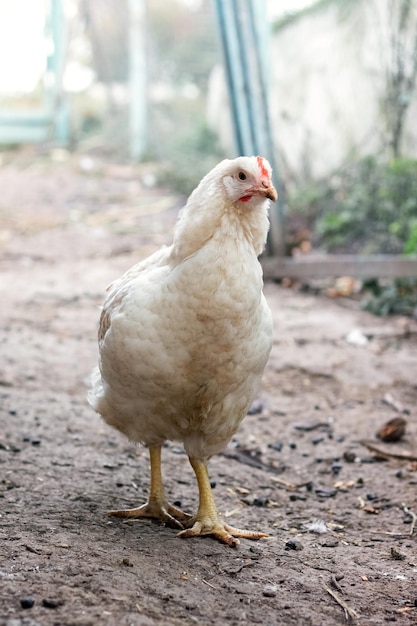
(244, 34)
(50, 121)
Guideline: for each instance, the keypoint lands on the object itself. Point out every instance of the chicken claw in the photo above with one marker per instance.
(223, 532)
(157, 506)
(208, 520)
(155, 509)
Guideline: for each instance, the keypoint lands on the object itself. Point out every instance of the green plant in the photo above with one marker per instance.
(398, 297)
(368, 207)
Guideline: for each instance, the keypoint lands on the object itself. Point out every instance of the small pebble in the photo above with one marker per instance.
(256, 407)
(126, 561)
(397, 555)
(293, 544)
(330, 543)
(51, 603)
(325, 492)
(371, 496)
(27, 602)
(349, 456)
(317, 440)
(295, 496)
(336, 468)
(293, 446)
(36, 442)
(177, 503)
(278, 445)
(213, 484)
(270, 591)
(260, 502)
(399, 473)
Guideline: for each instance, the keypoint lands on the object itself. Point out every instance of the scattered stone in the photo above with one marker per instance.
(325, 492)
(213, 484)
(317, 440)
(397, 555)
(126, 561)
(260, 501)
(336, 468)
(256, 407)
(349, 456)
(27, 602)
(293, 544)
(330, 543)
(399, 473)
(270, 591)
(276, 446)
(52, 603)
(293, 445)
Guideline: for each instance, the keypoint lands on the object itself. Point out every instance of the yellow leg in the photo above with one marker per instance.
(157, 506)
(208, 520)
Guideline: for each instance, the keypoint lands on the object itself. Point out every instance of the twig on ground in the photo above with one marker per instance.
(335, 584)
(206, 582)
(289, 485)
(350, 613)
(402, 456)
(243, 456)
(413, 516)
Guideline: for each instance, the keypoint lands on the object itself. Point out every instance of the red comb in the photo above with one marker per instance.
(262, 167)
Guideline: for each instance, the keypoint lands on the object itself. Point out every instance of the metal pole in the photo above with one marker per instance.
(138, 110)
(244, 35)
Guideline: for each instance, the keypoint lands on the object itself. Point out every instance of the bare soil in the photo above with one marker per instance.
(341, 519)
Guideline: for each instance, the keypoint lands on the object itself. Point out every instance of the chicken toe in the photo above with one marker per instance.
(156, 509)
(157, 506)
(219, 530)
(208, 520)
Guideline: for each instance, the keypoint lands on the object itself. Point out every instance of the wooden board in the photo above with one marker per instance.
(327, 266)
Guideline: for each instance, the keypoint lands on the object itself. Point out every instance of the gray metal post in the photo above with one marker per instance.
(138, 108)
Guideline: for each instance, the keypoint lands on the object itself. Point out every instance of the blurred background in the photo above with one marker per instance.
(148, 81)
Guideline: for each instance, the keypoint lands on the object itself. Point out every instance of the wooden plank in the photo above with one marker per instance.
(327, 266)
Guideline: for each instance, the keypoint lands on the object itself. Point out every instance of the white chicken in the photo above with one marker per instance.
(185, 335)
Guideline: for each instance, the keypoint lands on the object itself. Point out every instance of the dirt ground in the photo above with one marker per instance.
(341, 519)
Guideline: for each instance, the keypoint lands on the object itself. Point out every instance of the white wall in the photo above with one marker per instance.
(327, 81)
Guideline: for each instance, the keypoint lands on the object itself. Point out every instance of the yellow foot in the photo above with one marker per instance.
(162, 511)
(222, 532)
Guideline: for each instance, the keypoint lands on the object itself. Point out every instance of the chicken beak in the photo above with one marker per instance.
(271, 193)
(268, 190)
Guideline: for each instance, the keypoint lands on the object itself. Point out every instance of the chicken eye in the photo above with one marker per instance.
(242, 176)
